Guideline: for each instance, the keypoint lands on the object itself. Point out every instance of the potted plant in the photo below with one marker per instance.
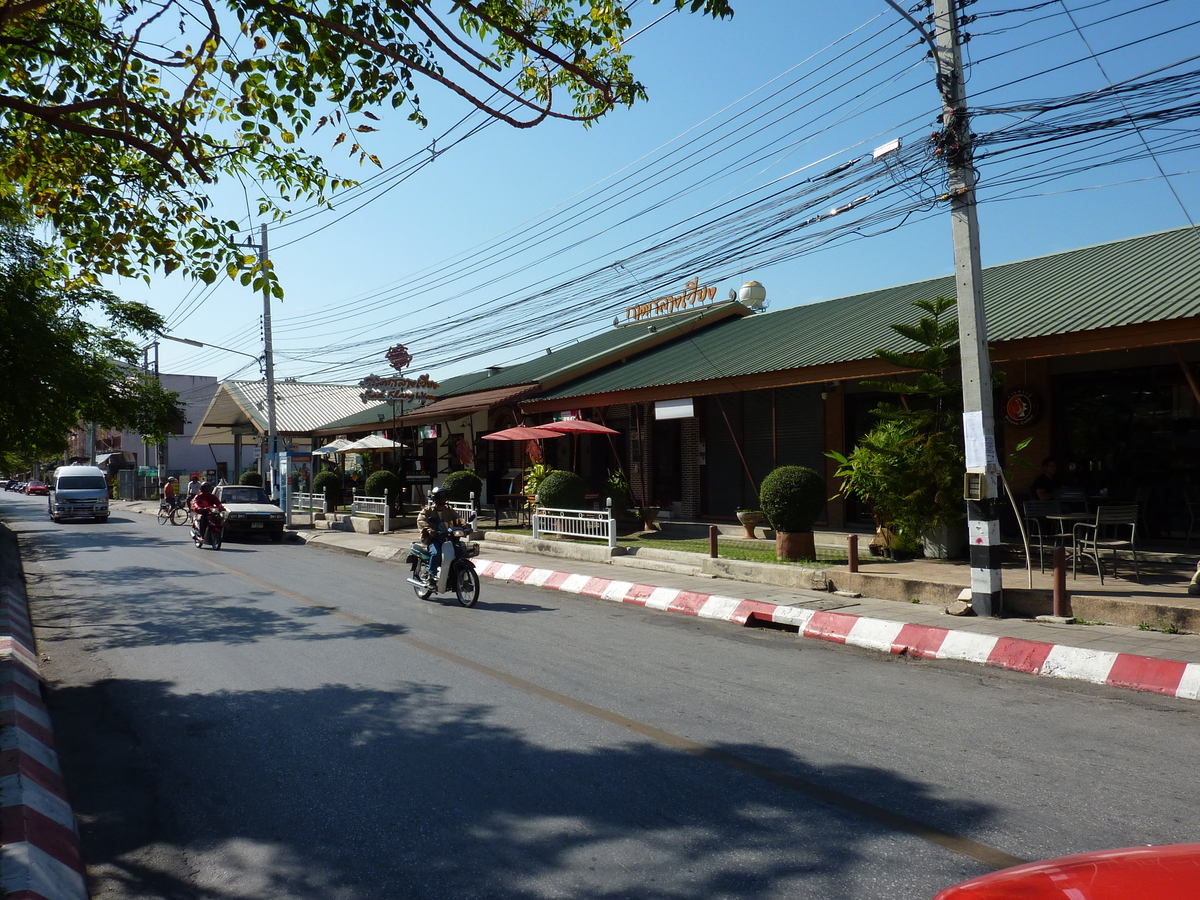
(647, 515)
(750, 519)
(909, 466)
(616, 489)
(792, 498)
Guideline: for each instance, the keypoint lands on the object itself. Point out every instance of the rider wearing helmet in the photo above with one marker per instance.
(202, 504)
(436, 520)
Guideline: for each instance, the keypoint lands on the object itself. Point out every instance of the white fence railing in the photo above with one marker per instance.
(465, 509)
(577, 523)
(309, 502)
(377, 506)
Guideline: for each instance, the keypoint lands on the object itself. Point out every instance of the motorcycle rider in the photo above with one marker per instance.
(436, 519)
(202, 504)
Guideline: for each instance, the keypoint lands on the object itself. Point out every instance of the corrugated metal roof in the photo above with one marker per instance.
(456, 407)
(608, 345)
(300, 408)
(1151, 278)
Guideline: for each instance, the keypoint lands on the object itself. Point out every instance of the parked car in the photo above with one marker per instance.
(38, 487)
(1162, 873)
(250, 511)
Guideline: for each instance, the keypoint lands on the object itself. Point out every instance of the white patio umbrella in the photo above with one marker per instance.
(371, 443)
(338, 446)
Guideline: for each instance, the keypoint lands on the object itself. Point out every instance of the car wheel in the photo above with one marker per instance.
(277, 536)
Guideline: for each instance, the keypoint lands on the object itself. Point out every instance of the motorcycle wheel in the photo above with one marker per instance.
(214, 539)
(419, 573)
(466, 585)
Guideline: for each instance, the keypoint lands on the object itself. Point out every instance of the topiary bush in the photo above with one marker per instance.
(251, 478)
(378, 482)
(561, 490)
(792, 498)
(460, 485)
(329, 484)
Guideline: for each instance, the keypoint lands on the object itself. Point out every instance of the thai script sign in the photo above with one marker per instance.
(398, 388)
(692, 295)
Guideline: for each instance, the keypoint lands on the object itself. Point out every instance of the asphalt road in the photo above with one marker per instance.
(279, 721)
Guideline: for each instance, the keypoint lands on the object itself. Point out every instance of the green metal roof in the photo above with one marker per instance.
(1151, 278)
(610, 343)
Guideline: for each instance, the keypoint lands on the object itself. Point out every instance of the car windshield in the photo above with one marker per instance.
(82, 483)
(243, 495)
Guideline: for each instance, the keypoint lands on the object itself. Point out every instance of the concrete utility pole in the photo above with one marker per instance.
(979, 427)
(268, 357)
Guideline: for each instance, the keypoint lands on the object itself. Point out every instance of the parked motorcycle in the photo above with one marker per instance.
(456, 574)
(215, 531)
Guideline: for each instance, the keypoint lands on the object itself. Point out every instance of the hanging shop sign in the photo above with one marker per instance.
(673, 409)
(398, 387)
(398, 357)
(1022, 407)
(692, 295)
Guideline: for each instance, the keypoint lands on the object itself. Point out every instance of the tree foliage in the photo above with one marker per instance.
(909, 465)
(116, 115)
(57, 367)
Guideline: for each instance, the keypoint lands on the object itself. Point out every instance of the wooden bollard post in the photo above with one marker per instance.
(713, 531)
(852, 551)
(1060, 582)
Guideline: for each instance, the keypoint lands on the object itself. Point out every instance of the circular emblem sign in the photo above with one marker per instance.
(1021, 407)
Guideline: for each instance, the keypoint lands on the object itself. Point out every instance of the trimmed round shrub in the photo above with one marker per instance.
(562, 490)
(329, 484)
(382, 480)
(460, 485)
(793, 498)
(251, 478)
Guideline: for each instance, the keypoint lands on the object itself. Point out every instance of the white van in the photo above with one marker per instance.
(78, 492)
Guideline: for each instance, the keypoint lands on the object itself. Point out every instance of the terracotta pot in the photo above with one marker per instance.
(795, 545)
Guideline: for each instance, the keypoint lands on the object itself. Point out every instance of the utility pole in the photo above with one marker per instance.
(979, 427)
(268, 358)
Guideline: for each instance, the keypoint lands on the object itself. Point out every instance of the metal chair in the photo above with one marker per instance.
(1072, 500)
(1107, 533)
(1038, 526)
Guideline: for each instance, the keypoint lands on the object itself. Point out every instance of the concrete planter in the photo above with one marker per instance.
(945, 541)
(751, 519)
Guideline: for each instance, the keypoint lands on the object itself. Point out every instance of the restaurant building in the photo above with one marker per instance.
(1096, 348)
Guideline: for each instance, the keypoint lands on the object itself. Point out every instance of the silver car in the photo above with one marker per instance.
(250, 511)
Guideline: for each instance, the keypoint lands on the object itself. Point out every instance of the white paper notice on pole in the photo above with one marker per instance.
(973, 440)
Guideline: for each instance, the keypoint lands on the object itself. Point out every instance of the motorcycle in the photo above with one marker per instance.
(457, 572)
(215, 531)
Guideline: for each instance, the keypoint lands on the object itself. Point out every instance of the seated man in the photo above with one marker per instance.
(1046, 485)
(202, 504)
(436, 519)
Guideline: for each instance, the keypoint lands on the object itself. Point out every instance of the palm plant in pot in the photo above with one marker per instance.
(792, 498)
(909, 466)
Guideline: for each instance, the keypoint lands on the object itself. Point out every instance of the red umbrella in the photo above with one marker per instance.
(577, 427)
(521, 433)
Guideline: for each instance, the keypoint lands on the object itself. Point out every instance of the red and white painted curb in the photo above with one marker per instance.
(1126, 670)
(40, 857)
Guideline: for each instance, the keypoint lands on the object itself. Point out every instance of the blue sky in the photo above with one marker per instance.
(513, 241)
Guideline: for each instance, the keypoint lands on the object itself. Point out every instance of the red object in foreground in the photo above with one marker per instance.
(522, 433)
(1169, 872)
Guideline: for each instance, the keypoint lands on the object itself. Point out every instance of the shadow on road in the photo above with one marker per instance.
(406, 793)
